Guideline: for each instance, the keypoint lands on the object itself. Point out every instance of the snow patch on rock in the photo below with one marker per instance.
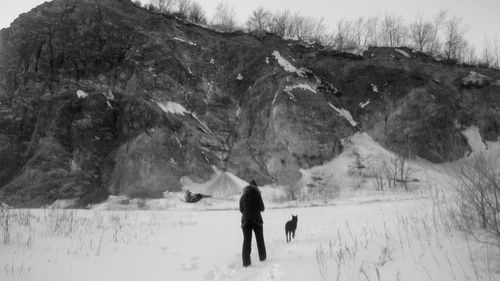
(288, 91)
(109, 95)
(287, 66)
(302, 86)
(474, 139)
(185, 41)
(344, 113)
(275, 97)
(364, 104)
(172, 107)
(81, 94)
(403, 53)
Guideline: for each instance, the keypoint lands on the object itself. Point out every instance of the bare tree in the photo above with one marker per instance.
(259, 20)
(224, 17)
(280, 23)
(360, 31)
(183, 7)
(196, 13)
(437, 25)
(372, 31)
(319, 32)
(487, 55)
(164, 6)
(377, 171)
(304, 28)
(344, 38)
(421, 33)
(462, 50)
(453, 37)
(296, 26)
(470, 55)
(496, 53)
(394, 32)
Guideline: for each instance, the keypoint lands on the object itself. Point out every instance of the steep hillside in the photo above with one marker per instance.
(102, 97)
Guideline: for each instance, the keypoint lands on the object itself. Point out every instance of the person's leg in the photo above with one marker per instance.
(261, 246)
(247, 245)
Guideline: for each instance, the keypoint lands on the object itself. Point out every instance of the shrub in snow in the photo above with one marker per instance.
(478, 184)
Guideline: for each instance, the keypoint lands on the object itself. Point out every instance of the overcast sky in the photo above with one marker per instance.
(481, 16)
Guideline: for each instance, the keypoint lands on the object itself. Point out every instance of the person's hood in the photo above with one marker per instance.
(250, 189)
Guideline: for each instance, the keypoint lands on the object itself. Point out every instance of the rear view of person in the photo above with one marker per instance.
(251, 205)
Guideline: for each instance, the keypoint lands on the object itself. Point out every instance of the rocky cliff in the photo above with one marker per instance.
(102, 97)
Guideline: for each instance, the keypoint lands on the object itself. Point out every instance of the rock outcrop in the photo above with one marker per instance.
(102, 97)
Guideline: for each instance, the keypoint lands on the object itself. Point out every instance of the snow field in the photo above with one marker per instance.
(385, 239)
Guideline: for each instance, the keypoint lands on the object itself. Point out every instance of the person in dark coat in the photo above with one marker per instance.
(251, 205)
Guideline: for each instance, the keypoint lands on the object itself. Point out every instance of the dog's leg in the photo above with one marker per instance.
(293, 234)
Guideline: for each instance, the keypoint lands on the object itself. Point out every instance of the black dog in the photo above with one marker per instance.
(290, 228)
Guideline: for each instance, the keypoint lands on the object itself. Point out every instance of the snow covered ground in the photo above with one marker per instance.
(358, 235)
(382, 239)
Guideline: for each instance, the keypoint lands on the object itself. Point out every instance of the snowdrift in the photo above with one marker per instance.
(222, 185)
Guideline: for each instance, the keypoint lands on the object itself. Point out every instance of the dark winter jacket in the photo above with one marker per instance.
(251, 205)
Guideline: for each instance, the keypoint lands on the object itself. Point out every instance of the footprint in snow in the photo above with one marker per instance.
(271, 273)
(260, 271)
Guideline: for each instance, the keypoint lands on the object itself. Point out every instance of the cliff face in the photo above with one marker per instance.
(101, 97)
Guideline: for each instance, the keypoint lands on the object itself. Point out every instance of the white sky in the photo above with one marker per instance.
(481, 16)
